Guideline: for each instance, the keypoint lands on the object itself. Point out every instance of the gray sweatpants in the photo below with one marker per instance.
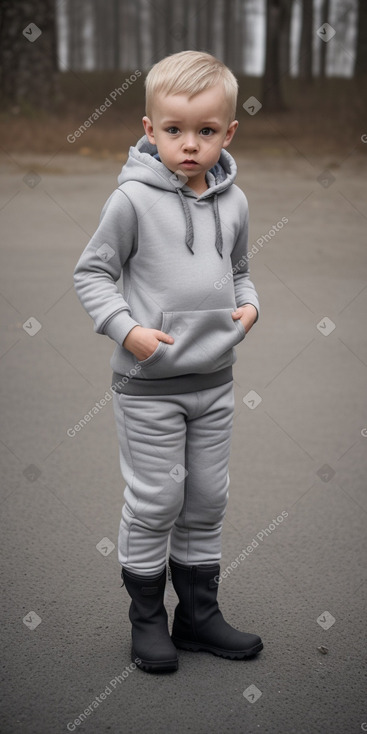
(174, 454)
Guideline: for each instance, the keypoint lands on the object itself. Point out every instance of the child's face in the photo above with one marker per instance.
(194, 130)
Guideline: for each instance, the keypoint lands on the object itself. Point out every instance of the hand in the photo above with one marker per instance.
(247, 314)
(143, 342)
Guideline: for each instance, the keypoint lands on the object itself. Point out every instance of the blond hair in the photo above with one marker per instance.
(190, 72)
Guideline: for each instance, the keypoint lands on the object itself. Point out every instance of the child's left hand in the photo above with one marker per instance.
(247, 314)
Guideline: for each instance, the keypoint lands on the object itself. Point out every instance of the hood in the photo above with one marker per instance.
(145, 165)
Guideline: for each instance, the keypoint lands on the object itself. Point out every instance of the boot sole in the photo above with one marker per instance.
(230, 654)
(155, 666)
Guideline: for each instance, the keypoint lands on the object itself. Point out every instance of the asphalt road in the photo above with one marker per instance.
(299, 448)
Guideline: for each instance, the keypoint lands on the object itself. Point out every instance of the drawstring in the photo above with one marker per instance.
(218, 229)
(189, 238)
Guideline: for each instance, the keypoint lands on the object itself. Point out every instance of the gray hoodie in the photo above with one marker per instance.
(181, 263)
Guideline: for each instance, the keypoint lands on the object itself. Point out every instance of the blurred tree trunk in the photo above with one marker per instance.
(228, 30)
(272, 97)
(185, 21)
(107, 35)
(107, 32)
(325, 10)
(136, 30)
(74, 40)
(200, 17)
(306, 44)
(232, 26)
(98, 39)
(192, 22)
(243, 35)
(116, 33)
(361, 50)
(176, 29)
(237, 36)
(146, 21)
(285, 40)
(209, 27)
(28, 60)
(251, 12)
(204, 18)
(168, 23)
(157, 25)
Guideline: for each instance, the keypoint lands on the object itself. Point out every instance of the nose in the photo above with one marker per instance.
(190, 143)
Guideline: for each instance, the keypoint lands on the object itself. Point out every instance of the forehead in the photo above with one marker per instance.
(209, 104)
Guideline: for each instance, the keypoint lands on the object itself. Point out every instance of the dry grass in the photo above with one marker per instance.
(326, 117)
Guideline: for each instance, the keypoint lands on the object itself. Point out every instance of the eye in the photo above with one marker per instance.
(206, 131)
(172, 130)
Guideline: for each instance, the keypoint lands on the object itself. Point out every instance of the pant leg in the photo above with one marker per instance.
(151, 432)
(196, 534)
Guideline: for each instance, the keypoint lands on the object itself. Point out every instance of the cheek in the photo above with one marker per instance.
(212, 148)
(169, 144)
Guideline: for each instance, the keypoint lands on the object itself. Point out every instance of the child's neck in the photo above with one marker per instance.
(199, 188)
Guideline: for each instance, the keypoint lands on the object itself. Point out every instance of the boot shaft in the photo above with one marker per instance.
(197, 591)
(146, 594)
(151, 642)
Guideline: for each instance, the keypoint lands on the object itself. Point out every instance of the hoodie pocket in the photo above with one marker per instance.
(204, 342)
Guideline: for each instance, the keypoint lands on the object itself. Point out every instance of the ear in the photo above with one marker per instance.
(230, 133)
(148, 127)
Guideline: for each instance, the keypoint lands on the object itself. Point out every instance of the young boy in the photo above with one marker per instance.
(177, 230)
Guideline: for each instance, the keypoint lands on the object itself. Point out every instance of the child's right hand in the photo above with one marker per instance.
(143, 342)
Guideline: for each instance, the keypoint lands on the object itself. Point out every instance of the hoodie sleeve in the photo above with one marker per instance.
(100, 265)
(245, 291)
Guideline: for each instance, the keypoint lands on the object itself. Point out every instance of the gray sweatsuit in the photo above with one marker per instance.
(165, 258)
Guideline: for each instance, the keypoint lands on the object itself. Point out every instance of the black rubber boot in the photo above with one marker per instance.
(152, 648)
(198, 622)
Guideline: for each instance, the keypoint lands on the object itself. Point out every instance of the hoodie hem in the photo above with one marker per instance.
(170, 385)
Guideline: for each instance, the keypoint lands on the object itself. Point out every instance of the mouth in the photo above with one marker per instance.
(189, 162)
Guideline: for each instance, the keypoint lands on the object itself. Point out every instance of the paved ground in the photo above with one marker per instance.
(301, 451)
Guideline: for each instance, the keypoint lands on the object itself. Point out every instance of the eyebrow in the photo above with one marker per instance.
(206, 122)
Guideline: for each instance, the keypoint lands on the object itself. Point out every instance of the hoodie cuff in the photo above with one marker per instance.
(118, 326)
